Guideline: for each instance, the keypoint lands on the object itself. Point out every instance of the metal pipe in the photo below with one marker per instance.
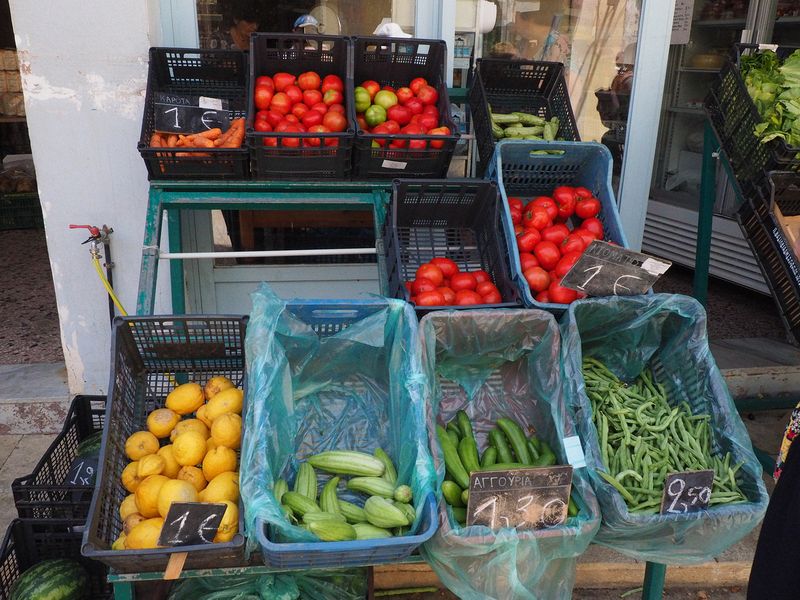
(266, 253)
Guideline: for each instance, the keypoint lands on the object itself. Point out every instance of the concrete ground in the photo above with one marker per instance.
(18, 456)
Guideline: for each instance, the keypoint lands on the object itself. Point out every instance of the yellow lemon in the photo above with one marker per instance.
(210, 445)
(132, 521)
(171, 466)
(141, 444)
(227, 401)
(185, 398)
(119, 543)
(229, 525)
(200, 413)
(226, 430)
(224, 486)
(161, 421)
(130, 476)
(175, 490)
(189, 448)
(152, 464)
(127, 507)
(189, 425)
(215, 385)
(217, 461)
(194, 476)
(145, 534)
(147, 495)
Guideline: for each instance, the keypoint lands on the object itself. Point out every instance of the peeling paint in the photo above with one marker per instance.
(37, 88)
(124, 98)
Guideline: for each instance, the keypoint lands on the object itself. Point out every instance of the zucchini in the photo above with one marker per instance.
(348, 462)
(452, 493)
(390, 473)
(522, 131)
(502, 119)
(374, 486)
(529, 119)
(497, 131)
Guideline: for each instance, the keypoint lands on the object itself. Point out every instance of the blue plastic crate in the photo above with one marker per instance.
(519, 172)
(327, 318)
(306, 555)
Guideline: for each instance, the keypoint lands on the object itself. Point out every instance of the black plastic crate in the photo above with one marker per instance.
(20, 211)
(55, 488)
(150, 356)
(271, 53)
(784, 189)
(459, 219)
(14, 137)
(533, 87)
(29, 541)
(778, 263)
(395, 62)
(195, 72)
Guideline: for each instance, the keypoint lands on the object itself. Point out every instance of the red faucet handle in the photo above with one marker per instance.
(93, 231)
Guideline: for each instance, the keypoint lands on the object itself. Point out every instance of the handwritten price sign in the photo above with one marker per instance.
(687, 492)
(191, 523)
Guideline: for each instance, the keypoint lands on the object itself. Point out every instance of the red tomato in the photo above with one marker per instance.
(308, 81)
(398, 144)
(449, 295)
(334, 121)
(388, 88)
(586, 208)
(291, 142)
(320, 107)
(298, 110)
(393, 126)
(548, 204)
(463, 281)
(417, 83)
(333, 97)
(559, 294)
(434, 298)
(262, 125)
(290, 118)
(492, 297)
(572, 243)
(332, 82)
(399, 113)
(312, 97)
(430, 109)
(332, 142)
(408, 286)
(518, 228)
(373, 87)
(362, 122)
(481, 276)
(484, 287)
(311, 118)
(547, 254)
(555, 233)
(515, 202)
(337, 108)
(441, 131)
(419, 144)
(262, 96)
(261, 114)
(404, 94)
(594, 226)
(315, 142)
(516, 215)
(446, 266)
(536, 217)
(426, 121)
(543, 297)
(468, 297)
(431, 272)
(415, 105)
(527, 260)
(283, 80)
(587, 236)
(582, 192)
(422, 285)
(280, 103)
(538, 279)
(427, 95)
(566, 262)
(412, 129)
(271, 142)
(564, 196)
(265, 80)
(528, 239)
(381, 128)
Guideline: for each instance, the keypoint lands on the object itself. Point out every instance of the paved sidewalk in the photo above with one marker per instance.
(18, 456)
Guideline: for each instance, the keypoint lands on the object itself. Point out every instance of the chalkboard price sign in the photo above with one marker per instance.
(687, 492)
(82, 471)
(608, 270)
(191, 523)
(522, 498)
(189, 114)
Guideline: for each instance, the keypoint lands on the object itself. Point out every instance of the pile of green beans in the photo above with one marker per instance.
(643, 439)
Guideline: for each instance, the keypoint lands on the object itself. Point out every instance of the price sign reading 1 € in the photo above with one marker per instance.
(191, 523)
(608, 270)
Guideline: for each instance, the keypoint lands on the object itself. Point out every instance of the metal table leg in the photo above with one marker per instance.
(654, 575)
(705, 215)
(123, 590)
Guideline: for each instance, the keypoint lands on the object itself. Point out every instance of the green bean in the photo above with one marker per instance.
(617, 485)
(629, 473)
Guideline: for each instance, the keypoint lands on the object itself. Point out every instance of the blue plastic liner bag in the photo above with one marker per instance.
(493, 364)
(666, 334)
(329, 375)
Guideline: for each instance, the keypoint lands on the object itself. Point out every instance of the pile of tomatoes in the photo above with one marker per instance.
(441, 283)
(547, 246)
(406, 110)
(306, 103)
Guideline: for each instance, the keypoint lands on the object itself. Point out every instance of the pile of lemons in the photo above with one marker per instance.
(183, 458)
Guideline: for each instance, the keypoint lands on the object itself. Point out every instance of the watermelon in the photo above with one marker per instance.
(90, 445)
(54, 579)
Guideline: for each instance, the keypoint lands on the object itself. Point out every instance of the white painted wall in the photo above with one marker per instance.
(84, 70)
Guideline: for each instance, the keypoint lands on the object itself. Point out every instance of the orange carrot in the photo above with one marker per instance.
(211, 134)
(172, 140)
(156, 141)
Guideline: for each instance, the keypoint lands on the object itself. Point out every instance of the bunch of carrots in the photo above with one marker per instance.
(212, 138)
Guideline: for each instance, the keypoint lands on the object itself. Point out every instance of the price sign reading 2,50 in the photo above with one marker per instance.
(696, 493)
(687, 492)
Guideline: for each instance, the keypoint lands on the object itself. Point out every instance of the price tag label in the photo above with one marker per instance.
(608, 270)
(687, 492)
(174, 113)
(82, 471)
(191, 523)
(523, 498)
